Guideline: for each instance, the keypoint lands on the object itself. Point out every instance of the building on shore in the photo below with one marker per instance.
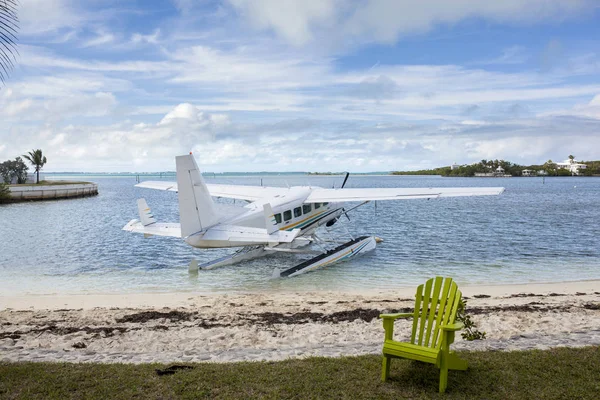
(572, 165)
(498, 173)
(528, 172)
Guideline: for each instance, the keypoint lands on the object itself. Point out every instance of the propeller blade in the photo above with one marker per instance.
(345, 179)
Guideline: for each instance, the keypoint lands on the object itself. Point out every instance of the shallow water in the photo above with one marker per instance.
(537, 231)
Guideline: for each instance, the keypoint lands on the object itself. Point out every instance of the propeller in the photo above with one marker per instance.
(344, 212)
(345, 179)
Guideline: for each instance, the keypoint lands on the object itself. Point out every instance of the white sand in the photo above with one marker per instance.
(238, 327)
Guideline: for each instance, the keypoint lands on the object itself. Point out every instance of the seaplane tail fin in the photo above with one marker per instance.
(196, 207)
(146, 217)
(270, 222)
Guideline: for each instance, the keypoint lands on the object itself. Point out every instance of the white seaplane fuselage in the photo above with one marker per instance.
(290, 212)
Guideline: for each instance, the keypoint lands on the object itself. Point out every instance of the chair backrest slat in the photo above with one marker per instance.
(426, 298)
(417, 313)
(436, 304)
(440, 314)
(433, 308)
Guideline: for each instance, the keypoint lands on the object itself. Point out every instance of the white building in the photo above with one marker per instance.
(572, 165)
(528, 172)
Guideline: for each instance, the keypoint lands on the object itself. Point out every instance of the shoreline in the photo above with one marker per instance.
(183, 327)
(56, 190)
(183, 299)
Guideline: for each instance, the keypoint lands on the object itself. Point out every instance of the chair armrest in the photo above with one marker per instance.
(396, 316)
(457, 326)
(388, 323)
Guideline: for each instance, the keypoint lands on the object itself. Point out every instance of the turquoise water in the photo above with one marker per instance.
(535, 232)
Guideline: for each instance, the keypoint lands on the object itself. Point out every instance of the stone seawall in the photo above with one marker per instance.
(47, 192)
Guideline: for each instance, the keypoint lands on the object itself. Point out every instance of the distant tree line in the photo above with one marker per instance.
(487, 166)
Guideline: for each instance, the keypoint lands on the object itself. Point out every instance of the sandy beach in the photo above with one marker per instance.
(184, 327)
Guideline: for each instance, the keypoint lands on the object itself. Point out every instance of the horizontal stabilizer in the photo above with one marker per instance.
(236, 233)
(155, 229)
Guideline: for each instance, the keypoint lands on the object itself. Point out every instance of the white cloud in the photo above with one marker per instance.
(16, 107)
(221, 143)
(385, 21)
(137, 38)
(511, 55)
(290, 19)
(43, 16)
(183, 5)
(41, 58)
(101, 38)
(247, 68)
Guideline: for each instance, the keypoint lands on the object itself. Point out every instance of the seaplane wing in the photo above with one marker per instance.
(367, 194)
(243, 192)
(238, 192)
(158, 185)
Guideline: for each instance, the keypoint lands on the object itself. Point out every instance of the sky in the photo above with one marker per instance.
(311, 85)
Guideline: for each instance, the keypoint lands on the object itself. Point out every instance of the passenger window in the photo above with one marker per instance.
(297, 212)
(278, 218)
(324, 204)
(317, 205)
(287, 215)
(306, 208)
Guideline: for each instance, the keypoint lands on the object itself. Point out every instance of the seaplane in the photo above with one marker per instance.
(273, 219)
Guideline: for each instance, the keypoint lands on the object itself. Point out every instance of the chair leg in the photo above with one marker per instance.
(443, 374)
(385, 370)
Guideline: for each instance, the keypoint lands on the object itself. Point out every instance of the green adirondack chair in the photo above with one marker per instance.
(433, 328)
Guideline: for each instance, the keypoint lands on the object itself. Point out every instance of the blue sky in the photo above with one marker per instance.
(325, 85)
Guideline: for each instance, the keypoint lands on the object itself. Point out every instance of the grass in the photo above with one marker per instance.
(49, 183)
(561, 373)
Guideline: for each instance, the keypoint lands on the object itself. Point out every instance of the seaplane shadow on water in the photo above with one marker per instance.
(288, 220)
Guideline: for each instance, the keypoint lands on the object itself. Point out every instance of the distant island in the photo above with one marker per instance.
(502, 168)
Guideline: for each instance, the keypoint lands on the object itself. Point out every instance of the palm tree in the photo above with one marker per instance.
(37, 159)
(8, 31)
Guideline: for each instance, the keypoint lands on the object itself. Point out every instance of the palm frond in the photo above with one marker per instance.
(9, 27)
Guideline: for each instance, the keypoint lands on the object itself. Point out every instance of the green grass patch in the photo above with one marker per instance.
(561, 373)
(51, 183)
